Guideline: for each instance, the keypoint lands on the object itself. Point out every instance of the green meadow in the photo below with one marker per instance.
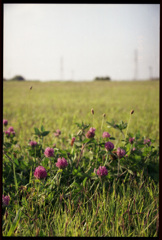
(58, 105)
(78, 199)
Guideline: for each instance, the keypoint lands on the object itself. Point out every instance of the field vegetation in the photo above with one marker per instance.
(82, 159)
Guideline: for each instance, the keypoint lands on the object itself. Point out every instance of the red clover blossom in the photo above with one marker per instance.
(105, 135)
(91, 133)
(5, 122)
(102, 171)
(5, 200)
(40, 172)
(57, 133)
(33, 143)
(49, 152)
(61, 163)
(147, 141)
(109, 146)
(120, 152)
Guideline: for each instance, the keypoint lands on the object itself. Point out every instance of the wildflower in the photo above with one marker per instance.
(5, 122)
(105, 135)
(91, 133)
(92, 130)
(33, 143)
(61, 163)
(54, 145)
(109, 146)
(49, 152)
(7, 133)
(5, 200)
(57, 133)
(133, 149)
(131, 140)
(102, 171)
(10, 129)
(120, 152)
(40, 172)
(147, 141)
(72, 141)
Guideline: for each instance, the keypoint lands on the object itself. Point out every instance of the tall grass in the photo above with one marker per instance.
(75, 201)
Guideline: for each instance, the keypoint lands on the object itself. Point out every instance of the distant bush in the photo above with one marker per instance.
(102, 79)
(18, 78)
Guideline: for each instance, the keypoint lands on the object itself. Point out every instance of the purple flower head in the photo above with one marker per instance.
(61, 163)
(147, 141)
(102, 171)
(57, 133)
(91, 133)
(33, 143)
(92, 130)
(49, 152)
(131, 140)
(10, 129)
(5, 200)
(7, 133)
(120, 152)
(5, 122)
(109, 146)
(105, 135)
(40, 172)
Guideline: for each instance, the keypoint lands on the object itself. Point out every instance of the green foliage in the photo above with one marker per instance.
(75, 201)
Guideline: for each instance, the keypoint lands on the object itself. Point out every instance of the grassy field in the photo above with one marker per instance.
(60, 105)
(77, 200)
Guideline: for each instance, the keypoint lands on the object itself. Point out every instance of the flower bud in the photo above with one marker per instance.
(92, 111)
(132, 111)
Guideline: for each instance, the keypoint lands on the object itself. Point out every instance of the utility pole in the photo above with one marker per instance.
(136, 64)
(150, 69)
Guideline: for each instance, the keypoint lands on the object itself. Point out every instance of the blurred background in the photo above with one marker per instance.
(81, 42)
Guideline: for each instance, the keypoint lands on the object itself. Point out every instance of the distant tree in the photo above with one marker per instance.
(102, 79)
(18, 78)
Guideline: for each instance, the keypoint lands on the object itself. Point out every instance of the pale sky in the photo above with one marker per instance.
(81, 41)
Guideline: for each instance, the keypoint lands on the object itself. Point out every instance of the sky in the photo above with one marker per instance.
(81, 41)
